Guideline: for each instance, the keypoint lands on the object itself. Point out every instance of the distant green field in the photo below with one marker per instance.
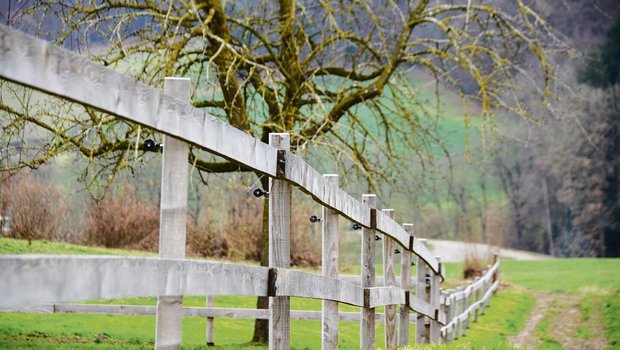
(592, 278)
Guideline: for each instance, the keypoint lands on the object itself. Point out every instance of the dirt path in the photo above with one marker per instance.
(527, 338)
(565, 323)
(455, 251)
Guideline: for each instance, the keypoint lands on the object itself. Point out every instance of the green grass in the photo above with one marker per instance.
(611, 314)
(21, 246)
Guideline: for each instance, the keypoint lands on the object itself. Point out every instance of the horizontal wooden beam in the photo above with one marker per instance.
(43, 279)
(219, 312)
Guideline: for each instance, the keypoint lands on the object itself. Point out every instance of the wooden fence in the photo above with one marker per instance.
(31, 280)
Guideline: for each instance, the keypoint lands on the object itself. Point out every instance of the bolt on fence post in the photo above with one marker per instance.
(367, 326)
(330, 237)
(405, 284)
(279, 246)
(173, 225)
(422, 329)
(435, 327)
(389, 279)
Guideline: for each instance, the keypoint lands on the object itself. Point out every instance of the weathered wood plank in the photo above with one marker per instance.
(307, 285)
(405, 283)
(330, 238)
(173, 220)
(44, 66)
(210, 312)
(312, 182)
(421, 250)
(390, 280)
(279, 249)
(367, 326)
(40, 279)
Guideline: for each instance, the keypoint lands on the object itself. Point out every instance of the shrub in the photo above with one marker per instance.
(122, 221)
(36, 210)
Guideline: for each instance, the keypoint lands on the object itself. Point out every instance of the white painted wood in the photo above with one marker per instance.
(435, 327)
(173, 220)
(330, 237)
(279, 249)
(367, 326)
(40, 279)
(210, 323)
(389, 275)
(423, 293)
(405, 283)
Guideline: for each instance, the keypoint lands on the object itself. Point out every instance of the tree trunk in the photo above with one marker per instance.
(261, 327)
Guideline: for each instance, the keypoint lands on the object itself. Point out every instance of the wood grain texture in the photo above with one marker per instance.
(367, 326)
(279, 249)
(390, 336)
(330, 239)
(307, 285)
(40, 279)
(355, 279)
(46, 67)
(173, 220)
(405, 283)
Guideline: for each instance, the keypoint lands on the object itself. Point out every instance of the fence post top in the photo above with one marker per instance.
(333, 179)
(280, 140)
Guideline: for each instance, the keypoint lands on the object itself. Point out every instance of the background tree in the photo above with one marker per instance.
(335, 75)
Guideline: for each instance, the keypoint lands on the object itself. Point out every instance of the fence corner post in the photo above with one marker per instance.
(279, 247)
(330, 238)
(405, 283)
(367, 326)
(173, 225)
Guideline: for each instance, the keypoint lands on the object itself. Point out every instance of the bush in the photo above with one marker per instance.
(36, 210)
(121, 221)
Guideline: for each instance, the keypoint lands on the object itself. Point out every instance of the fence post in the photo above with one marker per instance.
(405, 283)
(330, 237)
(435, 327)
(389, 279)
(367, 326)
(210, 324)
(172, 228)
(449, 308)
(422, 329)
(457, 312)
(476, 298)
(279, 246)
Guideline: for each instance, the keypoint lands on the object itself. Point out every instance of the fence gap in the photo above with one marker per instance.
(172, 228)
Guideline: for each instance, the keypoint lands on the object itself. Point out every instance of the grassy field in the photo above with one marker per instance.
(592, 284)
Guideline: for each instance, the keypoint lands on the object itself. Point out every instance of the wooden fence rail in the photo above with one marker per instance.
(40, 279)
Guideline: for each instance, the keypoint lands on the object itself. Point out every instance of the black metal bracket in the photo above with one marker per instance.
(356, 226)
